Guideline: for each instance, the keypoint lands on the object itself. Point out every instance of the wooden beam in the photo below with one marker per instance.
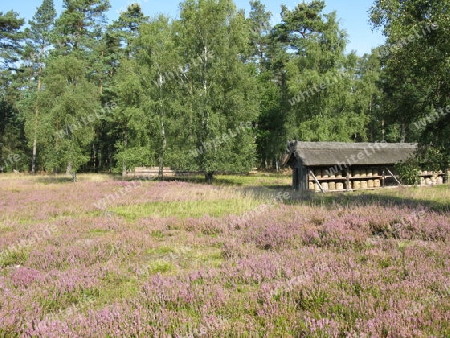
(316, 180)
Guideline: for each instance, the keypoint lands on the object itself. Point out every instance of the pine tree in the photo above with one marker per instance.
(10, 39)
(259, 27)
(127, 129)
(80, 26)
(319, 76)
(72, 85)
(11, 126)
(415, 68)
(368, 96)
(38, 43)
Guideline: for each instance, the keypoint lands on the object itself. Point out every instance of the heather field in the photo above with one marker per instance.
(245, 258)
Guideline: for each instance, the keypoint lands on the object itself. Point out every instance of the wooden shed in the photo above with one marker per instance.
(338, 166)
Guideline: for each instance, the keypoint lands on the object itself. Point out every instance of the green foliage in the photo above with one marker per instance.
(408, 171)
(433, 158)
(11, 123)
(415, 68)
(69, 102)
(39, 37)
(41, 26)
(222, 91)
(183, 88)
(320, 77)
(80, 26)
(259, 26)
(10, 38)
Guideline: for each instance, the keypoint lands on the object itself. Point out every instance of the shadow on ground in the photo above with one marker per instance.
(433, 198)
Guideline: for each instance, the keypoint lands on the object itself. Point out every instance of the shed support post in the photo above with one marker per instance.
(295, 179)
(348, 179)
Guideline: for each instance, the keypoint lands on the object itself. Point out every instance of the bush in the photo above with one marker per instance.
(408, 171)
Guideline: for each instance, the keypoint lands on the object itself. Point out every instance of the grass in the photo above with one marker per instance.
(186, 209)
(58, 178)
(268, 180)
(14, 257)
(185, 258)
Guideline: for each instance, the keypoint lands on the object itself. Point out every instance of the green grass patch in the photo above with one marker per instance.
(162, 250)
(186, 209)
(157, 234)
(60, 302)
(159, 266)
(115, 287)
(5, 229)
(14, 256)
(99, 232)
(257, 180)
(181, 257)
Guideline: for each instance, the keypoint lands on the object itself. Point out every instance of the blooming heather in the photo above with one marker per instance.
(358, 267)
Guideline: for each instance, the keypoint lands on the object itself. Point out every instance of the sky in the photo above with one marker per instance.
(353, 15)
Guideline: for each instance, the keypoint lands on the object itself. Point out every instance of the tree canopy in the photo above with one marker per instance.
(216, 90)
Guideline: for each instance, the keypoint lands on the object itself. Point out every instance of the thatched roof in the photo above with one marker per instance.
(332, 153)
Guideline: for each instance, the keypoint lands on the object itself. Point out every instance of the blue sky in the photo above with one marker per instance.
(352, 14)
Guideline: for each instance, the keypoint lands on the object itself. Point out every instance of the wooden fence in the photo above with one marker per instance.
(154, 172)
